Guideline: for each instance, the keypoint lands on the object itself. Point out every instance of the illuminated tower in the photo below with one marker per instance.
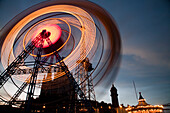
(82, 72)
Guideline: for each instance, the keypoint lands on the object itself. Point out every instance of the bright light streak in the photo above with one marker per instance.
(87, 39)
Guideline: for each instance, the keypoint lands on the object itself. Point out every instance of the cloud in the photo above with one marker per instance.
(148, 56)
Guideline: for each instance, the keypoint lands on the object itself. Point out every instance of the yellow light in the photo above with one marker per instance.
(44, 106)
(101, 107)
(109, 107)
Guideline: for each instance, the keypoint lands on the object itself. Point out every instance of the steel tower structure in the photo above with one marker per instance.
(14, 66)
(85, 79)
(86, 37)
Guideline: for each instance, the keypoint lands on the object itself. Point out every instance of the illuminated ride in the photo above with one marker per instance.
(70, 35)
(144, 107)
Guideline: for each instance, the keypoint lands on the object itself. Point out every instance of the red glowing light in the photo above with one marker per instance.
(55, 31)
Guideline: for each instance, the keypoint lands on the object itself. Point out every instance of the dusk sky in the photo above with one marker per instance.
(144, 26)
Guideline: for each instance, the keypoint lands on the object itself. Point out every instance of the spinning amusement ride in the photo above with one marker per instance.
(76, 39)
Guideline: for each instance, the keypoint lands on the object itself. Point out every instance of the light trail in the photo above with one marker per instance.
(87, 39)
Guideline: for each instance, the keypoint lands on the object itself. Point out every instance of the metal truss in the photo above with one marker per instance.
(11, 69)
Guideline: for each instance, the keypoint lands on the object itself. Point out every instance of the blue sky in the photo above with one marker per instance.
(144, 27)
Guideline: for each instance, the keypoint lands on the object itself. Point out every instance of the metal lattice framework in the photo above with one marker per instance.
(84, 80)
(32, 81)
(80, 37)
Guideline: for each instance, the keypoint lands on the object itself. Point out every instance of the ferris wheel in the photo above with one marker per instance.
(65, 38)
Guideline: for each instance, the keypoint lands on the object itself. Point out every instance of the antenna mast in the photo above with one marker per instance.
(135, 90)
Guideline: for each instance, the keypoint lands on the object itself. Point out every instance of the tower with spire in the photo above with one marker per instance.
(141, 101)
(114, 96)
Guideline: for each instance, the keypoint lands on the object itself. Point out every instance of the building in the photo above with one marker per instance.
(114, 96)
(59, 96)
(56, 96)
(144, 107)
